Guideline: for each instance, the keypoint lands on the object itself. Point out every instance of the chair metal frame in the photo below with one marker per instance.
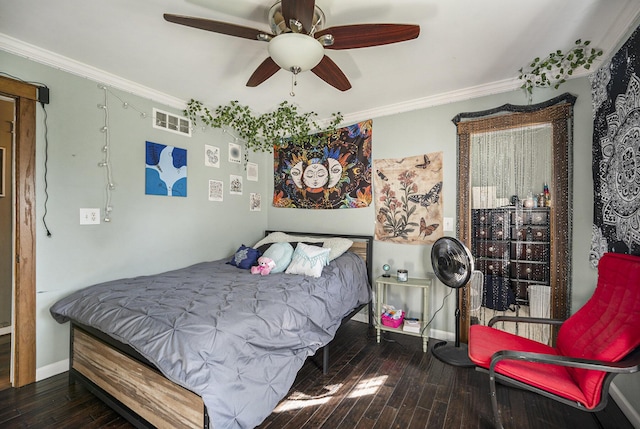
(628, 365)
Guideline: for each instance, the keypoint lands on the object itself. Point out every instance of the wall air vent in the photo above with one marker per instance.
(170, 122)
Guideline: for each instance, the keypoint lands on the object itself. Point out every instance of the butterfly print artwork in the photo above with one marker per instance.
(427, 230)
(431, 197)
(425, 164)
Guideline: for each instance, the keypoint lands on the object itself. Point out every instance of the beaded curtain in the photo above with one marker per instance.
(503, 162)
(514, 164)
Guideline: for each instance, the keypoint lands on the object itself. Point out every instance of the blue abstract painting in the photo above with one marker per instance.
(166, 170)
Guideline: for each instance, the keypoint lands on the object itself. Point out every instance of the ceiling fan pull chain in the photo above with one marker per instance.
(294, 79)
(293, 83)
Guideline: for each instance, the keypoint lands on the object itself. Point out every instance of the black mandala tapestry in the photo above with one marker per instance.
(331, 173)
(615, 91)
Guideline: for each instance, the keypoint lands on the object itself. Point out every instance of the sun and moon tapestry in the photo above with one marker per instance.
(333, 172)
(408, 199)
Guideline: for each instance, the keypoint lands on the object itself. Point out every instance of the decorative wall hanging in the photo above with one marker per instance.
(166, 170)
(408, 199)
(254, 202)
(252, 171)
(216, 188)
(211, 156)
(331, 172)
(557, 67)
(616, 153)
(235, 153)
(259, 132)
(235, 184)
(106, 148)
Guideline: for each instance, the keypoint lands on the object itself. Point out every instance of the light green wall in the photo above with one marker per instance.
(147, 234)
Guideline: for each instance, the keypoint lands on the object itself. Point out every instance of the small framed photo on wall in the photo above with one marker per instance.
(235, 153)
(211, 156)
(252, 171)
(216, 190)
(235, 184)
(254, 202)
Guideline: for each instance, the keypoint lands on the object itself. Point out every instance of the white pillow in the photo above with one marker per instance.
(281, 254)
(274, 237)
(308, 260)
(338, 245)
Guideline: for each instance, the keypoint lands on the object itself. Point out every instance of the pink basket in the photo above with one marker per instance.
(391, 322)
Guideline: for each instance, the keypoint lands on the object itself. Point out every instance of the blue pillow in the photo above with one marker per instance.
(244, 257)
(281, 254)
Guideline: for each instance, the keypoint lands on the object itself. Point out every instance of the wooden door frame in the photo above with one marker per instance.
(24, 317)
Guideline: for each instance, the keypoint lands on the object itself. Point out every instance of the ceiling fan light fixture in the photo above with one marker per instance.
(293, 51)
(279, 26)
(295, 26)
(326, 40)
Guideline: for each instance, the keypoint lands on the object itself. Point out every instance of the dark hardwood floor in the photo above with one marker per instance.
(390, 385)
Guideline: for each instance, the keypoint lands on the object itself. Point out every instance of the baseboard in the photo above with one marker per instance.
(442, 335)
(52, 369)
(625, 406)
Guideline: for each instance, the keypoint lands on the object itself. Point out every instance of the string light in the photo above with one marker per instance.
(106, 148)
(235, 139)
(126, 104)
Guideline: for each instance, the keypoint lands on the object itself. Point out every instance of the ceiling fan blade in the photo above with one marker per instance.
(328, 71)
(299, 10)
(217, 26)
(365, 35)
(264, 71)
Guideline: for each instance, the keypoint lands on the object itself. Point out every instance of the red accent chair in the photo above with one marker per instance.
(601, 340)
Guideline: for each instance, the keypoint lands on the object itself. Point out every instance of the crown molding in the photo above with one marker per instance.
(435, 100)
(60, 62)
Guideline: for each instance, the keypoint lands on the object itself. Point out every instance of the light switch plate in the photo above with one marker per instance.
(447, 224)
(89, 216)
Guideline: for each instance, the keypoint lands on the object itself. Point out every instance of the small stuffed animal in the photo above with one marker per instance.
(264, 267)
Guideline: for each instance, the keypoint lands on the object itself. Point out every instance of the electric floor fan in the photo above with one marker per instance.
(452, 264)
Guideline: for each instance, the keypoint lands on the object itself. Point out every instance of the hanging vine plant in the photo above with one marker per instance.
(558, 66)
(261, 132)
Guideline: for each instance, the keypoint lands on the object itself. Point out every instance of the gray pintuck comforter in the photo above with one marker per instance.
(234, 338)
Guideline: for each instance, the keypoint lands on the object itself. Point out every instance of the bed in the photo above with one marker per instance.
(211, 345)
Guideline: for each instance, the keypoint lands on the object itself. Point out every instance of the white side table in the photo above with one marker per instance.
(381, 294)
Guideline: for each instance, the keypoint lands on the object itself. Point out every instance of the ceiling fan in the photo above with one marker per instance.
(298, 39)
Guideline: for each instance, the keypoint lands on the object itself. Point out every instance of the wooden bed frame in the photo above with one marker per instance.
(131, 385)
